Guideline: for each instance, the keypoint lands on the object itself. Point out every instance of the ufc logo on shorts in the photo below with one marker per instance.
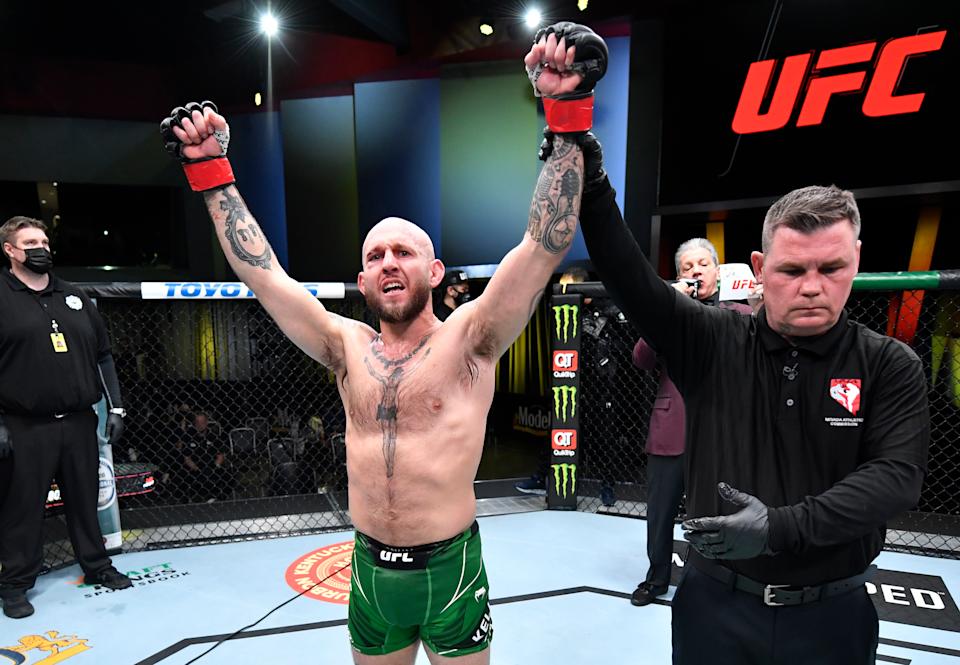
(564, 439)
(880, 100)
(393, 557)
(565, 360)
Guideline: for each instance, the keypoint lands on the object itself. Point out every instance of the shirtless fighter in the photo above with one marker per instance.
(416, 394)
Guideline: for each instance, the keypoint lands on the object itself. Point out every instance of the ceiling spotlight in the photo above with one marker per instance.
(105, 232)
(269, 24)
(486, 29)
(533, 18)
(257, 99)
(582, 5)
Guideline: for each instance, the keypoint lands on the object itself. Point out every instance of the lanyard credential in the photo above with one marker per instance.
(56, 337)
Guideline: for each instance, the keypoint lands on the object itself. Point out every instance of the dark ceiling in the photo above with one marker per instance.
(113, 59)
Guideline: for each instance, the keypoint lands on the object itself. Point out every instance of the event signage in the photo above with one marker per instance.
(565, 338)
(817, 85)
(227, 290)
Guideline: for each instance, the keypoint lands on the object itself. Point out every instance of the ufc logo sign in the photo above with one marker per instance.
(880, 100)
(564, 439)
(742, 284)
(565, 360)
(393, 557)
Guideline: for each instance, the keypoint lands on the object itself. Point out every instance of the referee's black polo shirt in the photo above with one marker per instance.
(783, 422)
(34, 378)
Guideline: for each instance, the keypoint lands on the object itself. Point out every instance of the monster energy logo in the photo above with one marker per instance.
(564, 472)
(561, 316)
(563, 395)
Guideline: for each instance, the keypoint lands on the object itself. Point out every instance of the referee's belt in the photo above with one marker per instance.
(47, 416)
(778, 595)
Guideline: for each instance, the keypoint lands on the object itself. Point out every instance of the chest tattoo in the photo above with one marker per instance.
(389, 373)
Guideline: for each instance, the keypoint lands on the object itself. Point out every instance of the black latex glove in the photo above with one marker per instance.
(6, 440)
(742, 535)
(114, 428)
(593, 171)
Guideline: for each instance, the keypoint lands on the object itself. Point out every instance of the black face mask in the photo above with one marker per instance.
(462, 298)
(39, 260)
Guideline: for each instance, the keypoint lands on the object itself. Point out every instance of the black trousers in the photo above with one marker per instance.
(664, 493)
(44, 447)
(721, 626)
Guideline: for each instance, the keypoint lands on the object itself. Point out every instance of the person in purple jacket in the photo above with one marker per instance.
(697, 272)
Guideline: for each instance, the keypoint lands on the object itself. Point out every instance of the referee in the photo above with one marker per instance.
(55, 363)
(806, 433)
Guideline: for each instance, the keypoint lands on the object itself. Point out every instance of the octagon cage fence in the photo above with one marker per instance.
(233, 433)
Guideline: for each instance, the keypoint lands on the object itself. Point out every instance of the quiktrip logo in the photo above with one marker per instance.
(847, 393)
(566, 361)
(880, 99)
(564, 479)
(563, 442)
(565, 364)
(562, 397)
(565, 317)
(332, 560)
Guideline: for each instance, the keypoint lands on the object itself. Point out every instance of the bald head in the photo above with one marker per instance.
(392, 229)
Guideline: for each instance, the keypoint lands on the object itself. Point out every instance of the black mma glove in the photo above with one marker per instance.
(6, 440)
(742, 535)
(593, 172)
(204, 173)
(573, 112)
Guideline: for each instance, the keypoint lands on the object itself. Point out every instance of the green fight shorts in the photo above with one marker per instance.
(436, 593)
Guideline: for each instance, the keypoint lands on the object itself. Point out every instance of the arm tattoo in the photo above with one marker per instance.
(392, 374)
(247, 241)
(556, 201)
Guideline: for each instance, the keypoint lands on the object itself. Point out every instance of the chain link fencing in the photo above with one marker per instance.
(232, 432)
(616, 400)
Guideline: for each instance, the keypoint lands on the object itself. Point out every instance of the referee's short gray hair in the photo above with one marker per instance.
(695, 243)
(810, 209)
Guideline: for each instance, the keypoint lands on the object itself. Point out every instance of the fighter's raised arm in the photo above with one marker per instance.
(564, 63)
(198, 136)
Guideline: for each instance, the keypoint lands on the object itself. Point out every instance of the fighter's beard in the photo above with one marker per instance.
(419, 297)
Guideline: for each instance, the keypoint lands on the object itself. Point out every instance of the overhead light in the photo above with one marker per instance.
(486, 29)
(533, 17)
(269, 24)
(105, 232)
(257, 99)
(582, 5)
